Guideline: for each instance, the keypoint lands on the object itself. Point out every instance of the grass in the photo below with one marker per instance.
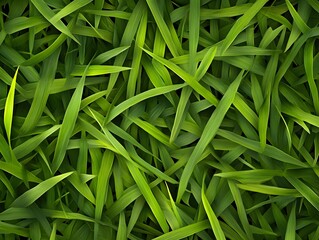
(146, 119)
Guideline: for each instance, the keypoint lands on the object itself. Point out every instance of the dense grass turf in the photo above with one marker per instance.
(157, 119)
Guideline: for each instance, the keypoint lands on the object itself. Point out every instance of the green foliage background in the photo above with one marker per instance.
(157, 119)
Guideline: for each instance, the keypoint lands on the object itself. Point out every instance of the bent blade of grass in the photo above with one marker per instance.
(300, 114)
(148, 166)
(9, 105)
(218, 232)
(297, 18)
(68, 124)
(241, 24)
(109, 13)
(48, 14)
(30, 196)
(189, 79)
(209, 133)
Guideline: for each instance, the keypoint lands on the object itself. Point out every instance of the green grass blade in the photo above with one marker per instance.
(48, 14)
(218, 232)
(291, 225)
(209, 133)
(68, 124)
(30, 196)
(241, 24)
(41, 93)
(8, 110)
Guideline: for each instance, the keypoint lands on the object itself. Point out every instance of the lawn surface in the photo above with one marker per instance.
(157, 119)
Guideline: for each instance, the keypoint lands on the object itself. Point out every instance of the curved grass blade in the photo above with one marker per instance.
(8, 109)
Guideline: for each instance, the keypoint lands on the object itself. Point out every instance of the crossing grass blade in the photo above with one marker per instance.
(208, 134)
(42, 92)
(69, 9)
(190, 80)
(48, 14)
(159, 119)
(304, 190)
(241, 24)
(68, 124)
(170, 38)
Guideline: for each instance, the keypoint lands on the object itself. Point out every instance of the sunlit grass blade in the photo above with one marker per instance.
(8, 110)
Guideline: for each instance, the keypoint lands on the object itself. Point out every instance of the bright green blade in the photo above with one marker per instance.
(8, 109)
